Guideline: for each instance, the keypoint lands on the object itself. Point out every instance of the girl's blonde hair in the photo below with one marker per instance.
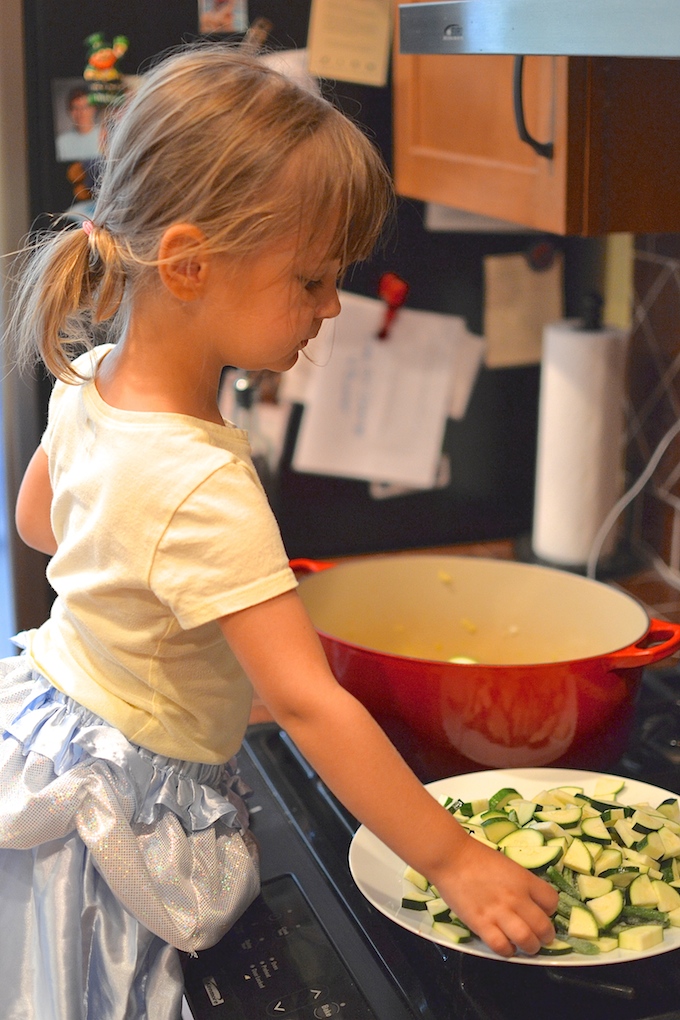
(212, 137)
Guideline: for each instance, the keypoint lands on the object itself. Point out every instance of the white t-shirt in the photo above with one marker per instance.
(162, 527)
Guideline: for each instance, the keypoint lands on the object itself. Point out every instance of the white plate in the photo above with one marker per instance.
(379, 873)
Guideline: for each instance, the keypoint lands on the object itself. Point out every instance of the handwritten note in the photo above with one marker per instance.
(377, 411)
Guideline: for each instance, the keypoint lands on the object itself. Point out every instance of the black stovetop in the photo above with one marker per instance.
(311, 946)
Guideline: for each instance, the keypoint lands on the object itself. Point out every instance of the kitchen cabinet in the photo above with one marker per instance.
(612, 121)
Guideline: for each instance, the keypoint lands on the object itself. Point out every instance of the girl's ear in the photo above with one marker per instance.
(183, 261)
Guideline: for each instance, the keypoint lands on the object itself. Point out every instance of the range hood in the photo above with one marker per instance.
(618, 28)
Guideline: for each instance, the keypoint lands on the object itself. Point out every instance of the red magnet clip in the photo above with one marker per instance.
(393, 290)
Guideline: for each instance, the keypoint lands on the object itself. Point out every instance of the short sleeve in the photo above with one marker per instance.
(222, 550)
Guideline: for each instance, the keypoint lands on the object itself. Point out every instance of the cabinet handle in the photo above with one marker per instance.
(542, 148)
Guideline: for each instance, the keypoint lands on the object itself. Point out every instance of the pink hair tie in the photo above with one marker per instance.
(88, 226)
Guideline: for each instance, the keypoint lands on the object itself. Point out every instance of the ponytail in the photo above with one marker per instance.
(66, 282)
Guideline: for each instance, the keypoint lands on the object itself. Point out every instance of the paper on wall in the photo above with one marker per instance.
(378, 409)
(518, 303)
(349, 40)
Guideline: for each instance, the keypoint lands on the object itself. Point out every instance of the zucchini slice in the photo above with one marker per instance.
(642, 937)
(523, 837)
(607, 909)
(416, 900)
(667, 898)
(566, 817)
(534, 858)
(578, 858)
(556, 948)
(641, 892)
(591, 886)
(502, 797)
(595, 830)
(416, 879)
(453, 932)
(582, 923)
(494, 829)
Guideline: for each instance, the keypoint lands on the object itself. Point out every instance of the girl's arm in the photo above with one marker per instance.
(277, 646)
(32, 515)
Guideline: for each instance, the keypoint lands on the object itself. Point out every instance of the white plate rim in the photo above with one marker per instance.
(378, 872)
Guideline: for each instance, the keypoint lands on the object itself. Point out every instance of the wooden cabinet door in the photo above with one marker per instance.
(613, 122)
(456, 141)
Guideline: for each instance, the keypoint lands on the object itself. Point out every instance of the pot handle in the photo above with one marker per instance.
(303, 566)
(660, 641)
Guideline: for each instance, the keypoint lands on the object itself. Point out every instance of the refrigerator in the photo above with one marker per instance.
(491, 450)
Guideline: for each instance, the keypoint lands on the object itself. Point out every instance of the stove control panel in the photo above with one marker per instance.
(276, 962)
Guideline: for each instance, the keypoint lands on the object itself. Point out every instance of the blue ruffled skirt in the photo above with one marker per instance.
(110, 857)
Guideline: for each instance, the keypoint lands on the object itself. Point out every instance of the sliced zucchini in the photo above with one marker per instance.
(606, 943)
(474, 807)
(566, 817)
(607, 787)
(439, 909)
(625, 831)
(415, 878)
(641, 892)
(644, 821)
(595, 830)
(578, 858)
(502, 797)
(534, 858)
(455, 933)
(524, 809)
(591, 886)
(495, 828)
(571, 790)
(670, 808)
(641, 861)
(415, 901)
(523, 837)
(481, 838)
(667, 898)
(652, 844)
(607, 909)
(594, 849)
(610, 858)
(582, 923)
(670, 841)
(556, 948)
(623, 877)
(642, 937)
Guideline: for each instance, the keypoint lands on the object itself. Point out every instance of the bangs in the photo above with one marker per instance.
(338, 180)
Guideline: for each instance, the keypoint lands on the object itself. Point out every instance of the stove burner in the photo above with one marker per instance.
(653, 753)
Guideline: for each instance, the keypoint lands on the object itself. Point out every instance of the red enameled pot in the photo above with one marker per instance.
(557, 658)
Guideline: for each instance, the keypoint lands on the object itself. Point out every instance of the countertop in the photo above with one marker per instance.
(659, 598)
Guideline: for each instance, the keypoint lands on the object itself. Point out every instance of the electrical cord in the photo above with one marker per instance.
(627, 498)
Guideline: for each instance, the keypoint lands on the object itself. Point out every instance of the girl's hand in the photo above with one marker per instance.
(507, 906)
(500, 901)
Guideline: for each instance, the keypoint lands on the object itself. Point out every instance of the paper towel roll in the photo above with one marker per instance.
(579, 467)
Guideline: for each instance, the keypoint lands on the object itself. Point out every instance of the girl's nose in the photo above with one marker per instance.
(329, 304)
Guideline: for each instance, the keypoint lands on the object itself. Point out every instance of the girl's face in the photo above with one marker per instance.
(263, 312)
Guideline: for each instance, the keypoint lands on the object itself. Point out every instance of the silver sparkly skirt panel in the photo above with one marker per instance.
(110, 856)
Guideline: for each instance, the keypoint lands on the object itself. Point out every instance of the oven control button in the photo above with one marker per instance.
(291, 1003)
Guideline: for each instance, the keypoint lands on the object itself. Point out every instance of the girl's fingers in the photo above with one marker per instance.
(545, 896)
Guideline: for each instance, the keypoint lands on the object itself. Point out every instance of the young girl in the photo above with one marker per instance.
(230, 202)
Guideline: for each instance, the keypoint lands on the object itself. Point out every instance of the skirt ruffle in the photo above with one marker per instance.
(110, 855)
